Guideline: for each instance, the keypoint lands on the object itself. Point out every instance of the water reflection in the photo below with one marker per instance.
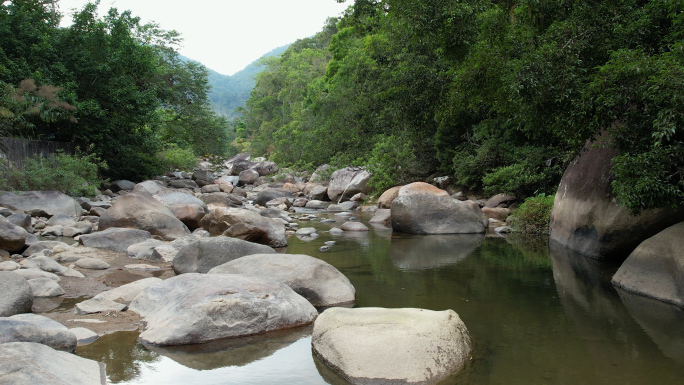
(123, 356)
(420, 252)
(232, 352)
(663, 322)
(617, 348)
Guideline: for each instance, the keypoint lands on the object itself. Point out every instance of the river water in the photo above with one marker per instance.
(536, 313)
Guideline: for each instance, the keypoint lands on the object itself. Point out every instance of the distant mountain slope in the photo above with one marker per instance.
(231, 92)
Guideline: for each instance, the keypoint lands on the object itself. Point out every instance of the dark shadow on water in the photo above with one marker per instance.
(231, 352)
(421, 252)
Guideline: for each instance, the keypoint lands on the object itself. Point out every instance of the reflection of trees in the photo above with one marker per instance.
(232, 352)
(618, 349)
(120, 352)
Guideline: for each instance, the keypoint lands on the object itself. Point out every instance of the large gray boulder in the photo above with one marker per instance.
(317, 281)
(17, 296)
(179, 198)
(586, 217)
(45, 288)
(245, 224)
(656, 267)
(347, 182)
(32, 363)
(40, 203)
(151, 187)
(115, 239)
(265, 168)
(430, 214)
(203, 254)
(421, 188)
(36, 328)
(142, 211)
(270, 194)
(197, 308)
(248, 176)
(221, 199)
(391, 346)
(12, 237)
(383, 217)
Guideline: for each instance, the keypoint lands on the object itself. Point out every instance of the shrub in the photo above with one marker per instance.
(174, 157)
(390, 162)
(533, 215)
(75, 175)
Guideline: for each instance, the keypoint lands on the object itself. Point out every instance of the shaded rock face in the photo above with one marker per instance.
(36, 328)
(429, 214)
(190, 215)
(179, 198)
(266, 168)
(391, 346)
(586, 217)
(32, 363)
(656, 267)
(270, 194)
(499, 199)
(151, 187)
(40, 203)
(246, 225)
(203, 254)
(240, 166)
(142, 211)
(386, 199)
(317, 281)
(347, 182)
(17, 296)
(383, 217)
(116, 239)
(12, 237)
(222, 199)
(197, 308)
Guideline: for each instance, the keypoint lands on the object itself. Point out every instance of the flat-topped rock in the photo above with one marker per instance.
(117, 239)
(317, 281)
(391, 346)
(432, 214)
(36, 328)
(32, 363)
(203, 254)
(40, 203)
(197, 308)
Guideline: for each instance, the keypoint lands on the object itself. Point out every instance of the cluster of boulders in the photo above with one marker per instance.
(218, 231)
(588, 220)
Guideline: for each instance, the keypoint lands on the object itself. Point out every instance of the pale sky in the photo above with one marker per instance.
(226, 35)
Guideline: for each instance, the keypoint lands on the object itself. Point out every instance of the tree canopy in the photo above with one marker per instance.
(106, 83)
(500, 95)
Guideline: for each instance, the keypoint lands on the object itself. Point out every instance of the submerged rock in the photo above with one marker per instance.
(391, 346)
(197, 308)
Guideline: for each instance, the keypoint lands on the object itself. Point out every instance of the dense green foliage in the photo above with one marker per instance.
(501, 95)
(76, 175)
(533, 215)
(106, 83)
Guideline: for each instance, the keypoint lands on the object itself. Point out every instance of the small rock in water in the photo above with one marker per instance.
(328, 221)
(324, 248)
(503, 230)
(336, 230)
(330, 243)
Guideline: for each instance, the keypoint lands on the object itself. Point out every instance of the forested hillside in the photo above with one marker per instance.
(114, 87)
(501, 95)
(229, 92)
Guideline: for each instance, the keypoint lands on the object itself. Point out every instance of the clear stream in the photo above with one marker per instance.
(537, 314)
